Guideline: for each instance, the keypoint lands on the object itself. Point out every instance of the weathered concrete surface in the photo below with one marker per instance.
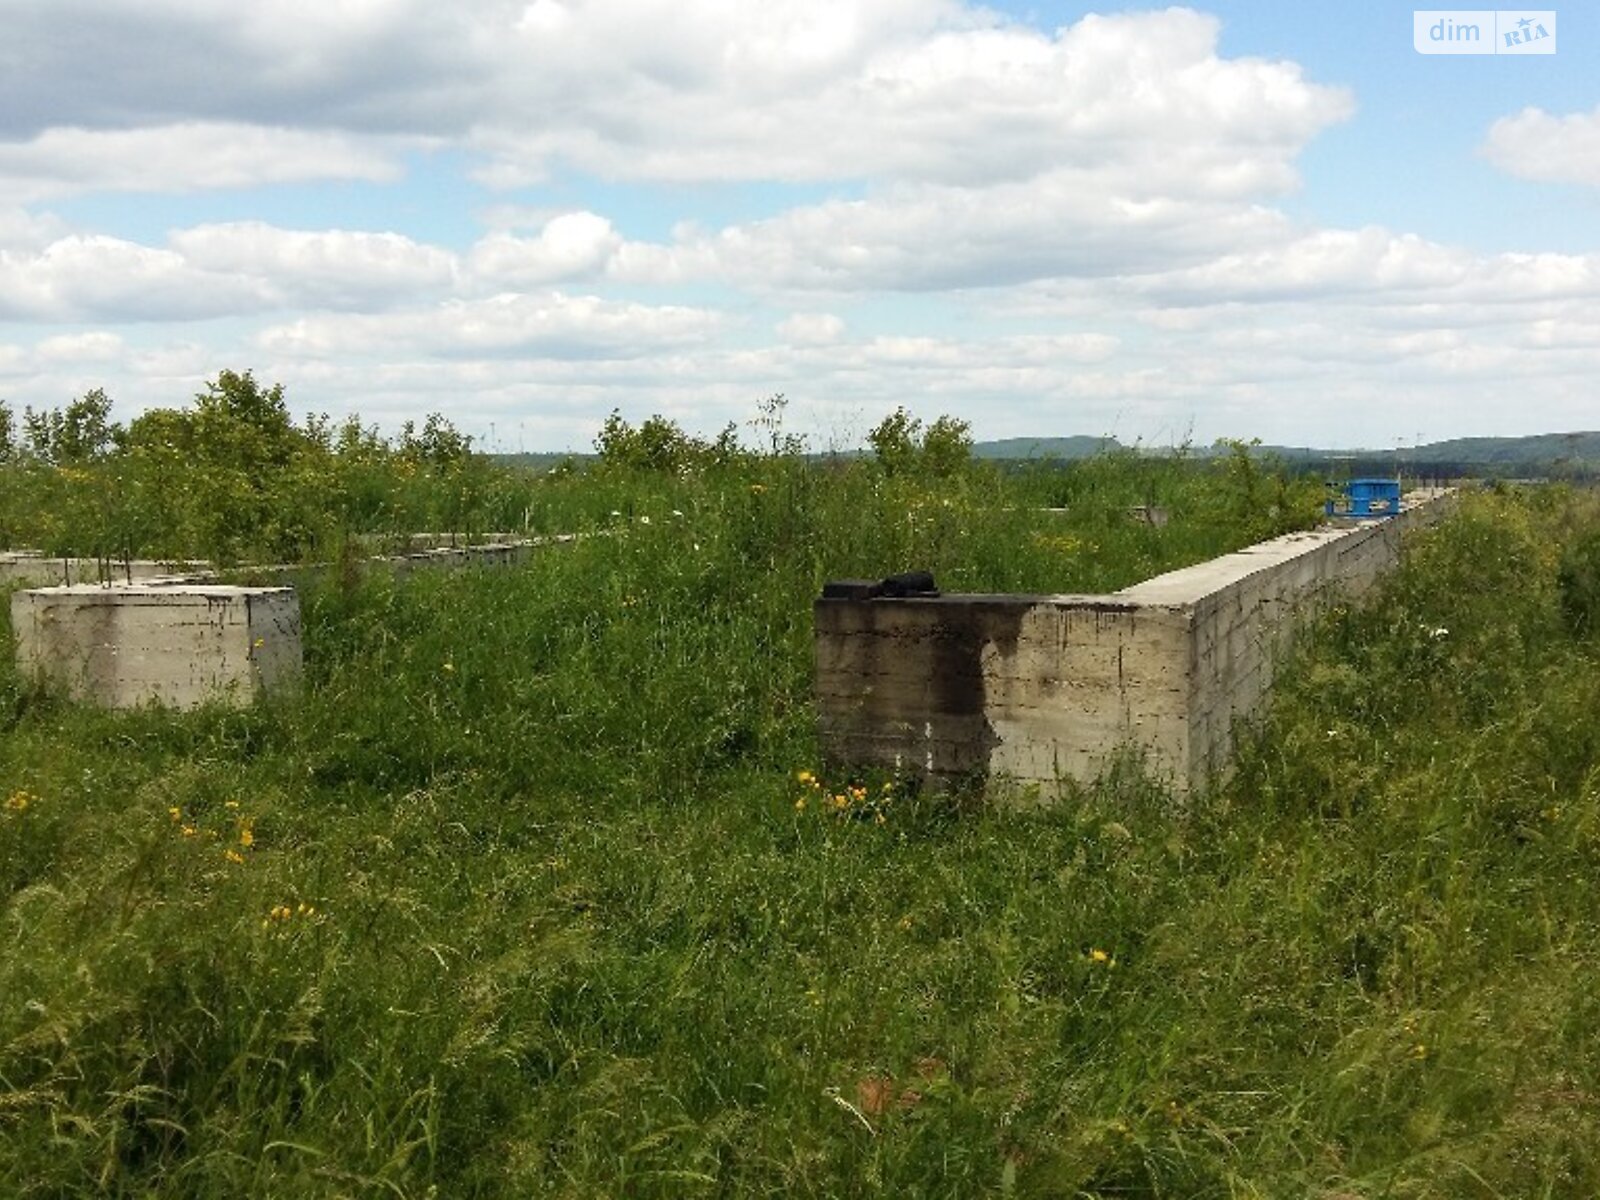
(1046, 688)
(35, 569)
(485, 554)
(180, 646)
(488, 555)
(416, 542)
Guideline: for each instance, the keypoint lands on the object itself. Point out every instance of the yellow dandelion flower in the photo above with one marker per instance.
(805, 777)
(247, 837)
(233, 855)
(189, 831)
(800, 804)
(1100, 958)
(176, 814)
(1419, 1051)
(19, 801)
(230, 804)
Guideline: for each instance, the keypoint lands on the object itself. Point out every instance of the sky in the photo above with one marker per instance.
(1241, 219)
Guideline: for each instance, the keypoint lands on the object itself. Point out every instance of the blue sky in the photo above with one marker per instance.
(1235, 219)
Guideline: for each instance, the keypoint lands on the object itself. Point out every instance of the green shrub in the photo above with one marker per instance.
(1579, 580)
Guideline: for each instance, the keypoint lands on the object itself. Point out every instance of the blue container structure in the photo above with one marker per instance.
(1365, 499)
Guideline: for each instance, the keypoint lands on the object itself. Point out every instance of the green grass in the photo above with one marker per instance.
(570, 932)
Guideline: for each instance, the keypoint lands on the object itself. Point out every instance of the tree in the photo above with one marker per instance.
(657, 445)
(896, 442)
(903, 448)
(439, 444)
(81, 433)
(947, 447)
(240, 398)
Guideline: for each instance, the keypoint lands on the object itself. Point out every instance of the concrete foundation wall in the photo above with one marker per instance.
(487, 555)
(33, 569)
(1042, 688)
(179, 646)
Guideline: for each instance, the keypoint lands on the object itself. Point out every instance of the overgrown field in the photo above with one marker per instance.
(533, 891)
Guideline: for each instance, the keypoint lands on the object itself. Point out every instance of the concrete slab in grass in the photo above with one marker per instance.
(177, 645)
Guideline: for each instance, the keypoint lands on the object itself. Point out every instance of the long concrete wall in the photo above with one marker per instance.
(34, 569)
(179, 646)
(1046, 688)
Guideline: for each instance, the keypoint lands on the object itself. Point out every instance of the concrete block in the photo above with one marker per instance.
(180, 646)
(1047, 688)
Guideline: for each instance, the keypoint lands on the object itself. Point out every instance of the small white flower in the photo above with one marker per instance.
(644, 520)
(615, 513)
(1439, 633)
(677, 512)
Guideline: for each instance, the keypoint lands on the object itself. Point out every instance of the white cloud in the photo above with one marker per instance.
(95, 278)
(570, 246)
(937, 238)
(21, 230)
(552, 325)
(1535, 145)
(96, 347)
(798, 91)
(216, 271)
(371, 66)
(929, 90)
(180, 158)
(322, 269)
(810, 329)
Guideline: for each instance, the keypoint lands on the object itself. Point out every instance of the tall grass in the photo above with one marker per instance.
(531, 900)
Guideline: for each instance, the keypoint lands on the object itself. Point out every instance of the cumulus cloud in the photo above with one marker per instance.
(94, 277)
(810, 329)
(1378, 265)
(920, 238)
(398, 66)
(570, 246)
(549, 325)
(216, 271)
(1533, 144)
(23, 230)
(929, 90)
(179, 158)
(934, 92)
(322, 269)
(97, 346)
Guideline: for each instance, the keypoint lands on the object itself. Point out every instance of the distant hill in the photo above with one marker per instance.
(1541, 447)
(1566, 454)
(1537, 454)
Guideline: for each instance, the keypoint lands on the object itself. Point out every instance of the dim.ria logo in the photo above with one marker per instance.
(1484, 31)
